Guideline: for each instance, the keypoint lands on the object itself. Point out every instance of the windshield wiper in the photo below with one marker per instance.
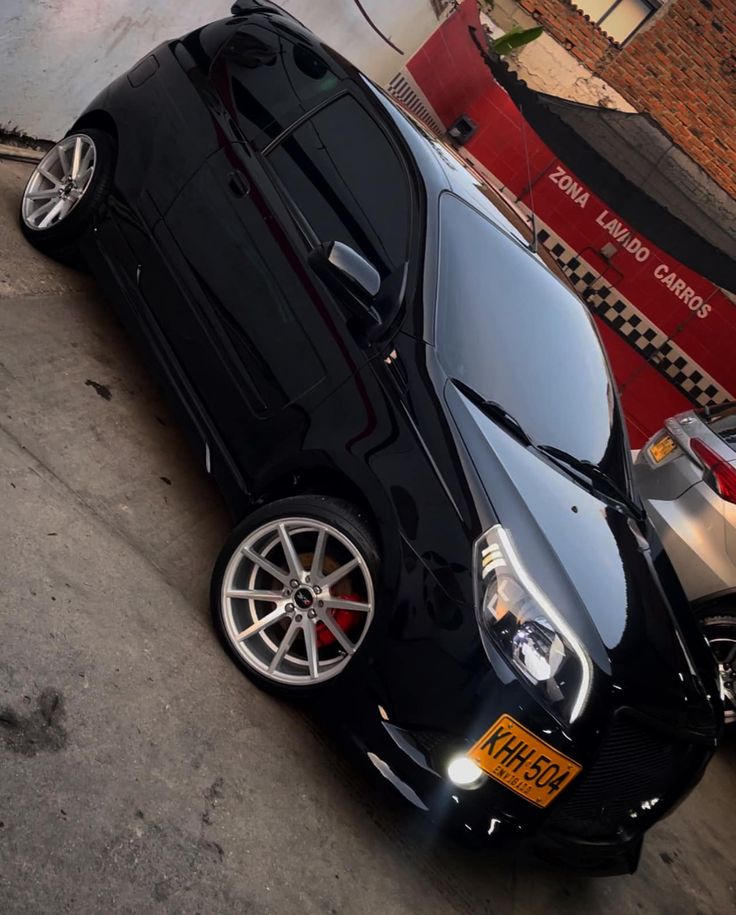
(583, 471)
(601, 481)
(495, 412)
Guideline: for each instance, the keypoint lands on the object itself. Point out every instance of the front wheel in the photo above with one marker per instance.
(293, 593)
(64, 191)
(719, 628)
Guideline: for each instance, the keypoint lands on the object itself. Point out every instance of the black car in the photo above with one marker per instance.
(415, 427)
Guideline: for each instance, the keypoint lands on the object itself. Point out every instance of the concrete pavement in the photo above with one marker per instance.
(139, 771)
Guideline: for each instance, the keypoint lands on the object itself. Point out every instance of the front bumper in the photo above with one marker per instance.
(637, 776)
(431, 692)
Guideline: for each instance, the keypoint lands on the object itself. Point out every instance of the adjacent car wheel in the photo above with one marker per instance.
(65, 190)
(294, 594)
(719, 626)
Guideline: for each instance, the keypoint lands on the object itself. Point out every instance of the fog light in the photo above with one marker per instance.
(464, 773)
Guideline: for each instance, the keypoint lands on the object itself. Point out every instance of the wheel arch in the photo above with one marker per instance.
(368, 496)
(720, 601)
(99, 119)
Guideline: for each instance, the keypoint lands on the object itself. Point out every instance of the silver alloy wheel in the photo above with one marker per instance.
(59, 182)
(297, 601)
(724, 650)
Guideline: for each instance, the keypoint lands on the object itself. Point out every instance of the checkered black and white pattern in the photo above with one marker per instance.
(405, 90)
(660, 351)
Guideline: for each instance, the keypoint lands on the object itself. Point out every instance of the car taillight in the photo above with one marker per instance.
(720, 475)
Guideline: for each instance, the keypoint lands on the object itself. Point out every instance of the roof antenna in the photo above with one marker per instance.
(533, 246)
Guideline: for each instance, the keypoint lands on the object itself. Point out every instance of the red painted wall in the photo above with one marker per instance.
(698, 323)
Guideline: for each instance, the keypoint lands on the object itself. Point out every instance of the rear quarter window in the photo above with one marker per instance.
(268, 79)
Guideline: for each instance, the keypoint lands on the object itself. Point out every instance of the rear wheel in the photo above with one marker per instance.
(293, 594)
(64, 191)
(719, 627)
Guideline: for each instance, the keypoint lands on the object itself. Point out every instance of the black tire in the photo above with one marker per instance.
(61, 239)
(339, 515)
(719, 627)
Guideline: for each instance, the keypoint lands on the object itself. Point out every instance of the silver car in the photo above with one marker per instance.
(687, 477)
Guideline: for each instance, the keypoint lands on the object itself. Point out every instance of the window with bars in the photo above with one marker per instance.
(619, 18)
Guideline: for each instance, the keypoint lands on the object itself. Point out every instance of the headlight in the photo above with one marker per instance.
(523, 624)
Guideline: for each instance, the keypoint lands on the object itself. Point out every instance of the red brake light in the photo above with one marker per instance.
(720, 476)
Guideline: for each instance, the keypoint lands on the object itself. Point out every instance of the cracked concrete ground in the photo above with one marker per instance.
(139, 771)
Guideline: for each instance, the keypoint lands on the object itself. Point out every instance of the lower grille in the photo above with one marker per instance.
(429, 741)
(621, 791)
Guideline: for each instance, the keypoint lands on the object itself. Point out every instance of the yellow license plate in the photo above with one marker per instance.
(659, 450)
(522, 762)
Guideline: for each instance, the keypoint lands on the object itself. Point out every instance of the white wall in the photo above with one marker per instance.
(55, 55)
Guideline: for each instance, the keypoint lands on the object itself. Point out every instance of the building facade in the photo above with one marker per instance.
(674, 60)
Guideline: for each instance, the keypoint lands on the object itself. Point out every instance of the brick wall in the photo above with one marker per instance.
(546, 66)
(571, 28)
(680, 68)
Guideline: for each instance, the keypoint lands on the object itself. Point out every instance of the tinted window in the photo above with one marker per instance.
(515, 335)
(348, 181)
(269, 80)
(254, 290)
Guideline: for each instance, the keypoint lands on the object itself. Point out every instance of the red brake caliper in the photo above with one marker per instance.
(345, 619)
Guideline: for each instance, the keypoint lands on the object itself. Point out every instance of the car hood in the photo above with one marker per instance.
(598, 568)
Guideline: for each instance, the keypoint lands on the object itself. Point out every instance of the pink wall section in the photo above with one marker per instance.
(690, 311)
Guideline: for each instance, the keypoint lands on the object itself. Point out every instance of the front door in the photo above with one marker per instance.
(250, 330)
(262, 339)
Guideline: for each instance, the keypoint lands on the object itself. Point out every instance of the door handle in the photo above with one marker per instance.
(238, 185)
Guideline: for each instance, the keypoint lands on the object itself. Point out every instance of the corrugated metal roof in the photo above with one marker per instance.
(635, 167)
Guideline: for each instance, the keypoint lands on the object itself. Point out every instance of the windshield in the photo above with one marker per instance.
(517, 336)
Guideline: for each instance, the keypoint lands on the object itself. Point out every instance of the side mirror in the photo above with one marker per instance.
(354, 278)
